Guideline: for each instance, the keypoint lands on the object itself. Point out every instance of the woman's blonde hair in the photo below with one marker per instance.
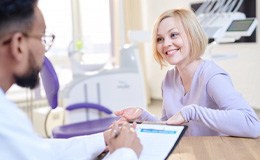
(196, 36)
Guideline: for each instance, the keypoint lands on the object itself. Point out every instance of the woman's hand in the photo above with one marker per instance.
(176, 119)
(130, 114)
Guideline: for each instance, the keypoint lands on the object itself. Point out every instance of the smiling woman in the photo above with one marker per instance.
(196, 91)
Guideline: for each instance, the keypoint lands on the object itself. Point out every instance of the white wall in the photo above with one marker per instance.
(243, 68)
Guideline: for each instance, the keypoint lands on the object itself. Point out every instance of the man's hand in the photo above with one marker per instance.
(124, 136)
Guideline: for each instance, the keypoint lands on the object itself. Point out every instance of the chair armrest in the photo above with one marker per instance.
(90, 106)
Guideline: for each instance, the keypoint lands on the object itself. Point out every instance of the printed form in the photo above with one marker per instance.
(158, 140)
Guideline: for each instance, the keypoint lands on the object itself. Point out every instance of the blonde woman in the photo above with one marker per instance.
(196, 92)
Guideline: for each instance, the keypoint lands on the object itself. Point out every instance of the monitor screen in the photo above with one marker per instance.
(240, 25)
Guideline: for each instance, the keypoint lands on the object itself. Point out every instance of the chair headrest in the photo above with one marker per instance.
(50, 82)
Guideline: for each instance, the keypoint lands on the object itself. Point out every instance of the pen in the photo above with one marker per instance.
(102, 155)
(116, 133)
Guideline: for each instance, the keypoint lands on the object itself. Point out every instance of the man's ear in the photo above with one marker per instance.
(18, 46)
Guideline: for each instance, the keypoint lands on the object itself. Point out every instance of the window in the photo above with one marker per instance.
(58, 20)
(96, 27)
(92, 25)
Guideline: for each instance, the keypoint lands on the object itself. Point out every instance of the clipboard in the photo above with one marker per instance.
(159, 140)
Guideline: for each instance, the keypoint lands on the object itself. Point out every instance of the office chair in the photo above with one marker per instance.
(51, 86)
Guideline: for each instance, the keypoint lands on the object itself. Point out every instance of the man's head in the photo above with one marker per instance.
(22, 40)
(16, 15)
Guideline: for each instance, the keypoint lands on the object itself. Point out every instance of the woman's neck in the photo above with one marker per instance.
(187, 72)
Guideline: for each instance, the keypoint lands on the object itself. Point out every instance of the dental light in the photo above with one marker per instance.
(222, 21)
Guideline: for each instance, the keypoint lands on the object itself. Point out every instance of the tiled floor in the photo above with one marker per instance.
(155, 108)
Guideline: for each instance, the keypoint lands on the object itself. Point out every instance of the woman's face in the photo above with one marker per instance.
(172, 42)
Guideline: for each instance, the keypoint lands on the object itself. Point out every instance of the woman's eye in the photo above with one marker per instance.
(159, 40)
(174, 35)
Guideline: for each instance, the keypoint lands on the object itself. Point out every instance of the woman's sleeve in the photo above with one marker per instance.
(147, 116)
(234, 116)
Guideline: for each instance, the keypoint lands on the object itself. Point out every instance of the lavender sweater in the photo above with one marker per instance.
(212, 107)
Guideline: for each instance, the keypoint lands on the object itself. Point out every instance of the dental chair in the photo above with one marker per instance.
(51, 86)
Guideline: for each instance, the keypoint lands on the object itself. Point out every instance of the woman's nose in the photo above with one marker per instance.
(167, 42)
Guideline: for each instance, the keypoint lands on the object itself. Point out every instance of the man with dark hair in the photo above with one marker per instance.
(23, 42)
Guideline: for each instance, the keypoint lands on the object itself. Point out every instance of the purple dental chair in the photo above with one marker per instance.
(51, 86)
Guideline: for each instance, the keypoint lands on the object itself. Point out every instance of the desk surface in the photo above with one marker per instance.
(220, 148)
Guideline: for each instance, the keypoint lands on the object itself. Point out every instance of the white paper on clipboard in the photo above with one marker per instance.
(158, 140)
